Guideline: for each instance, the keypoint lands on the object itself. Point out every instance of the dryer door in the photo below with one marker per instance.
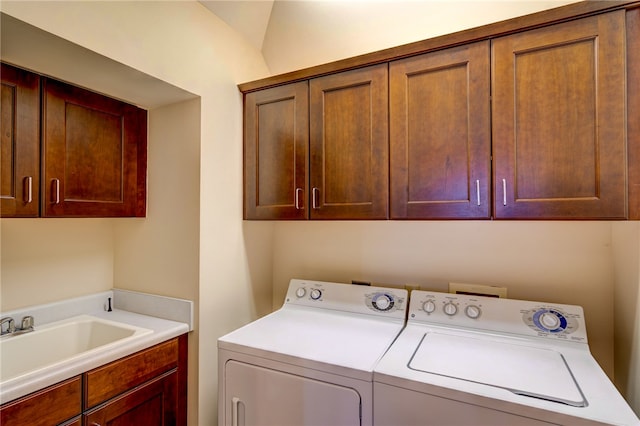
(259, 396)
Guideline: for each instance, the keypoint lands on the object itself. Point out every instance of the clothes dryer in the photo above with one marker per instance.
(310, 362)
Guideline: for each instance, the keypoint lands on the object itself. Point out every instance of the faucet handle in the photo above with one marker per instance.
(27, 323)
(11, 327)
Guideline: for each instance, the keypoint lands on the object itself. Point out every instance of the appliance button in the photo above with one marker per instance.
(472, 311)
(450, 309)
(301, 292)
(429, 306)
(316, 294)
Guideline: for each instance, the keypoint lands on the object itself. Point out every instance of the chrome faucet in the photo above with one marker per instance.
(26, 326)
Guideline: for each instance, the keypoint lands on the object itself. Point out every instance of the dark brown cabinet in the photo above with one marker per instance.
(318, 149)
(530, 118)
(69, 152)
(349, 149)
(20, 139)
(94, 154)
(145, 388)
(559, 144)
(440, 129)
(51, 406)
(276, 146)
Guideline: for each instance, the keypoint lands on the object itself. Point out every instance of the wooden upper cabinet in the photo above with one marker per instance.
(20, 142)
(94, 154)
(349, 166)
(276, 141)
(559, 121)
(440, 131)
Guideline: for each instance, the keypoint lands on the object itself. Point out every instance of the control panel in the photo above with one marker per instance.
(390, 302)
(556, 321)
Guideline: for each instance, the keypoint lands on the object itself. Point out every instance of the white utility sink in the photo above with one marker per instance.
(60, 341)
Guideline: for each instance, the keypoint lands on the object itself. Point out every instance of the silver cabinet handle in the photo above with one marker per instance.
(28, 189)
(504, 192)
(314, 196)
(235, 402)
(298, 192)
(478, 191)
(56, 191)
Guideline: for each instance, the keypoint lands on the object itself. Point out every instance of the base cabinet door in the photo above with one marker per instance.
(559, 144)
(258, 396)
(440, 131)
(154, 403)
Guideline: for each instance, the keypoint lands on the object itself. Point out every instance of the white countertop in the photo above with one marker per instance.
(162, 330)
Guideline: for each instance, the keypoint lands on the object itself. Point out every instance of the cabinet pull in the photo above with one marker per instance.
(28, 189)
(56, 191)
(298, 191)
(478, 190)
(504, 192)
(235, 404)
(314, 196)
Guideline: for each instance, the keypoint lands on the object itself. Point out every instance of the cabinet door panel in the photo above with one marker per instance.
(154, 403)
(440, 135)
(94, 154)
(349, 145)
(20, 143)
(276, 145)
(559, 121)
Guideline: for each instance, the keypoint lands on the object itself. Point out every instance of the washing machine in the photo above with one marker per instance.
(311, 361)
(473, 360)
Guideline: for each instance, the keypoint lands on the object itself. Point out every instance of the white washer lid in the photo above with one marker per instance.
(524, 370)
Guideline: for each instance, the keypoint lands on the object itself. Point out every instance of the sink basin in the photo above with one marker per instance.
(60, 341)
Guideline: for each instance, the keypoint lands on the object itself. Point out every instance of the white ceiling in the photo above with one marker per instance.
(249, 17)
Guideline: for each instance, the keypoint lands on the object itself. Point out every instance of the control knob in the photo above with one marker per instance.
(301, 292)
(450, 309)
(429, 306)
(316, 294)
(382, 302)
(472, 311)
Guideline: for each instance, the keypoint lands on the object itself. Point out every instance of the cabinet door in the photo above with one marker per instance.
(94, 151)
(440, 134)
(20, 142)
(276, 140)
(154, 403)
(349, 145)
(559, 121)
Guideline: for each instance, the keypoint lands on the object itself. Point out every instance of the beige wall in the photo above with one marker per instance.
(564, 262)
(183, 45)
(193, 242)
(626, 244)
(306, 33)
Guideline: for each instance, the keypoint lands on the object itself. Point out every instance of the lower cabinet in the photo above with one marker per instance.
(145, 388)
(153, 403)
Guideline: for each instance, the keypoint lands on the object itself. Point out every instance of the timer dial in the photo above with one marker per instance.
(550, 320)
(382, 301)
(316, 294)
